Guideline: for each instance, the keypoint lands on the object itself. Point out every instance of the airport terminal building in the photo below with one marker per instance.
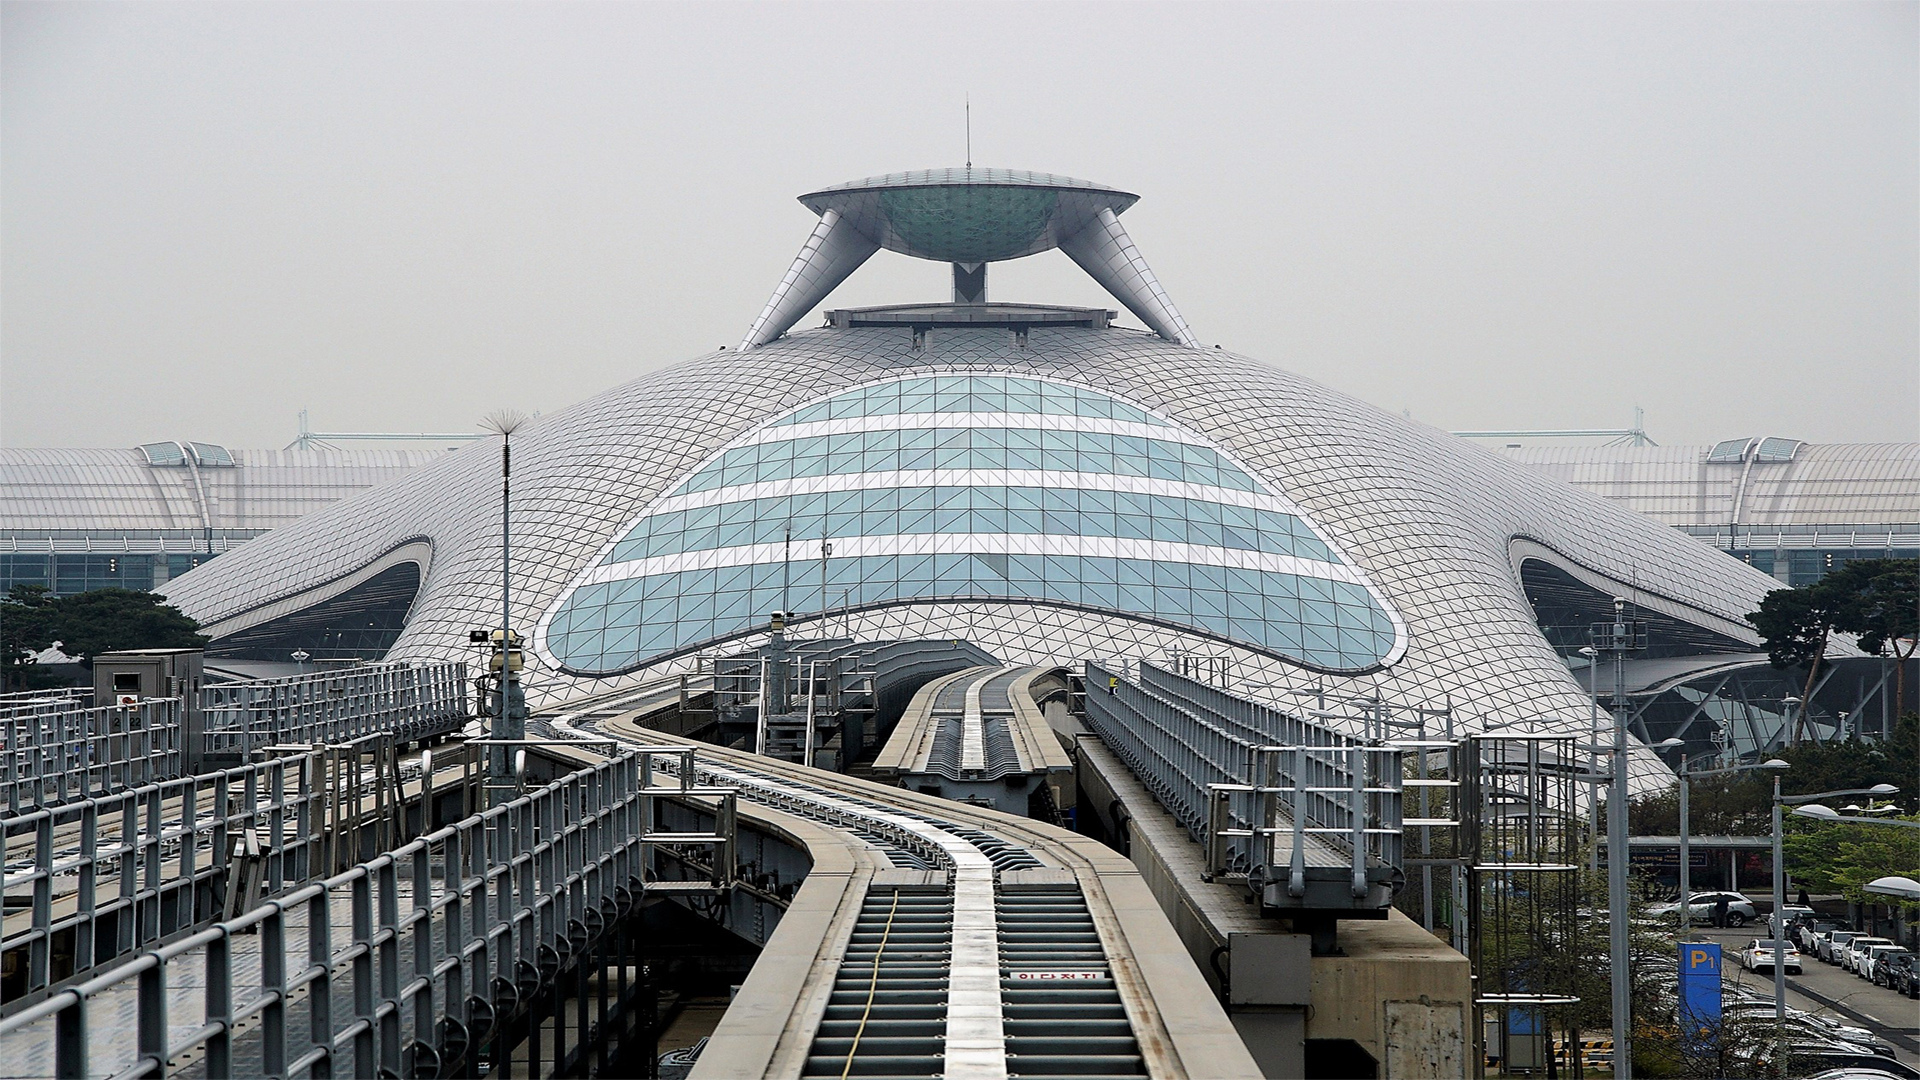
(1038, 480)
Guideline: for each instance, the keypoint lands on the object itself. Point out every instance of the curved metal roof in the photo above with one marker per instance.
(56, 489)
(969, 175)
(1818, 484)
(1427, 517)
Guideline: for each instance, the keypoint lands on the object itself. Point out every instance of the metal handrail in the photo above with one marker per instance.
(424, 939)
(404, 701)
(59, 750)
(149, 862)
(1242, 775)
(58, 698)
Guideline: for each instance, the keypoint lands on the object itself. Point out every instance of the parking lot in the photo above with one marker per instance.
(1829, 990)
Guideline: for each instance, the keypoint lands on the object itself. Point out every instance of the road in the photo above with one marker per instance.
(1831, 990)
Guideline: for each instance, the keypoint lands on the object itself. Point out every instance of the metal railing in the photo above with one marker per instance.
(404, 701)
(59, 750)
(94, 879)
(1261, 789)
(407, 962)
(59, 698)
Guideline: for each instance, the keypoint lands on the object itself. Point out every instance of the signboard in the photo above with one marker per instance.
(1699, 996)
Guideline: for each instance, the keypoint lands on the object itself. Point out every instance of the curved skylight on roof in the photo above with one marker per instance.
(957, 487)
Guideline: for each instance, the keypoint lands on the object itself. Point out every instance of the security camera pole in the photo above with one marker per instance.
(510, 703)
(1617, 639)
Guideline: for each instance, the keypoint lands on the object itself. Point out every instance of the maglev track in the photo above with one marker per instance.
(977, 971)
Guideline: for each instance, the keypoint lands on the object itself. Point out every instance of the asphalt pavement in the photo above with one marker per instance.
(1829, 989)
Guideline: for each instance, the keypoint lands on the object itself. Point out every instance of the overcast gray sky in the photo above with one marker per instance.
(403, 216)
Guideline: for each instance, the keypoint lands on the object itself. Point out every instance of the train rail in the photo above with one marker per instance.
(977, 944)
(967, 737)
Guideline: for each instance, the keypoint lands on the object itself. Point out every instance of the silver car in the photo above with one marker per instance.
(1739, 909)
(1857, 948)
(1834, 945)
(1869, 964)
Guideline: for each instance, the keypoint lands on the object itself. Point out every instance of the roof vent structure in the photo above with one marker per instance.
(968, 217)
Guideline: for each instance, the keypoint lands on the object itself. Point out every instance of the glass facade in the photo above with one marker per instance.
(971, 487)
(66, 575)
(1804, 567)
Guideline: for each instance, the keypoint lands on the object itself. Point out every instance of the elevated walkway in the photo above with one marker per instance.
(1307, 816)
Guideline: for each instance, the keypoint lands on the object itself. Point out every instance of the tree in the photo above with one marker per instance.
(1796, 624)
(24, 631)
(1741, 803)
(1842, 856)
(108, 620)
(1882, 606)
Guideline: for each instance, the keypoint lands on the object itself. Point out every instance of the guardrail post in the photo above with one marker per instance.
(39, 956)
(1297, 870)
(151, 1016)
(219, 1006)
(70, 1042)
(1357, 765)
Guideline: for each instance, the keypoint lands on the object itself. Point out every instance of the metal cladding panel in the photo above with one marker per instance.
(1823, 484)
(1427, 517)
(113, 490)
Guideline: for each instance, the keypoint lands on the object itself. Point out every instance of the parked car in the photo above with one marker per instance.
(1739, 909)
(1808, 934)
(1872, 965)
(1794, 913)
(1759, 954)
(1809, 1059)
(1801, 1026)
(1854, 1072)
(1857, 948)
(1835, 944)
(1903, 975)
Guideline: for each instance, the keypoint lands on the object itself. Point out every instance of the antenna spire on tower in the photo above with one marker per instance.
(968, 98)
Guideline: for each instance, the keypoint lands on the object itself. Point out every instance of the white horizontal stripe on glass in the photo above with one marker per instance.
(1030, 478)
(848, 425)
(804, 550)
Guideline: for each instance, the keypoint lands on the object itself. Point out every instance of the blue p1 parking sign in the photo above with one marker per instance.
(1699, 996)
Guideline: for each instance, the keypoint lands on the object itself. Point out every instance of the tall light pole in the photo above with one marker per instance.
(1593, 752)
(1617, 639)
(1780, 875)
(510, 713)
(1687, 775)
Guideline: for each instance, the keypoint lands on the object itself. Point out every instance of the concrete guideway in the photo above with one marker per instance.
(1174, 1024)
(976, 736)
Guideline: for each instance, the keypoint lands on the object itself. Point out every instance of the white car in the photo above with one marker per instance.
(1857, 948)
(1759, 954)
(1739, 909)
(1792, 912)
(1879, 954)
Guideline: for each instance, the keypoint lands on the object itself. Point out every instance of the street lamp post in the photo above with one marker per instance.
(1619, 638)
(1593, 752)
(1780, 874)
(1779, 909)
(1687, 775)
